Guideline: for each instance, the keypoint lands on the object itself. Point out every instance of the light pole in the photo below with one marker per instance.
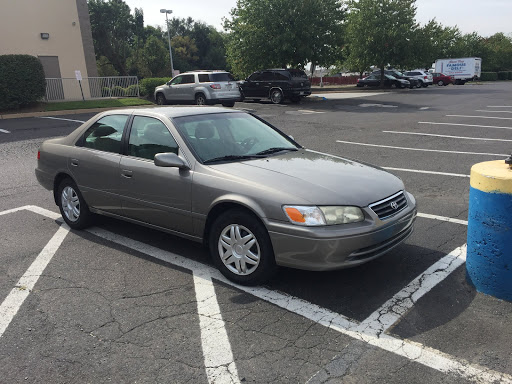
(167, 11)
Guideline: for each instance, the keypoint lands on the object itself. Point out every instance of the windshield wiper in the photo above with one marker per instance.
(276, 149)
(231, 157)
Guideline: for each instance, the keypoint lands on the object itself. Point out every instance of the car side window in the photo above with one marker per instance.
(106, 134)
(188, 79)
(148, 137)
(280, 76)
(267, 76)
(177, 80)
(203, 78)
(255, 77)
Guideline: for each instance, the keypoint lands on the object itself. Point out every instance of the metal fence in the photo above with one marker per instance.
(91, 88)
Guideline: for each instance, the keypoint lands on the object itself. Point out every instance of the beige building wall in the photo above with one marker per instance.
(66, 22)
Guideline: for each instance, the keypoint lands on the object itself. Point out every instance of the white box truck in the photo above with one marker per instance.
(462, 70)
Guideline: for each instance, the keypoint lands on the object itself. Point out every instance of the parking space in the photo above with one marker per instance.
(129, 304)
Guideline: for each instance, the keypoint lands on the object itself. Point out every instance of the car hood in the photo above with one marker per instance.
(317, 178)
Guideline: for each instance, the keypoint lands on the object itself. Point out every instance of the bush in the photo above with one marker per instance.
(510, 75)
(22, 81)
(117, 91)
(502, 75)
(131, 90)
(148, 85)
(489, 76)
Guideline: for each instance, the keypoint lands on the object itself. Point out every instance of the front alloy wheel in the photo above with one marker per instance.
(200, 99)
(241, 248)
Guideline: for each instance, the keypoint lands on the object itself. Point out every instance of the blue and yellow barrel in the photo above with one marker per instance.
(489, 248)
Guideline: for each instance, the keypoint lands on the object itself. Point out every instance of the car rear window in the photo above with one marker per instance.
(216, 77)
(296, 74)
(203, 78)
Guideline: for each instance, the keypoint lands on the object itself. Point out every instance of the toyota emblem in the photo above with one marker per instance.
(394, 205)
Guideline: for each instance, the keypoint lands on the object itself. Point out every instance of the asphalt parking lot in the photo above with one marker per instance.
(122, 303)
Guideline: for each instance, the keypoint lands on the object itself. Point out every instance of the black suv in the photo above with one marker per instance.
(413, 82)
(277, 85)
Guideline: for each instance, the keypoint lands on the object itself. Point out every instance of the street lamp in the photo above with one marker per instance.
(168, 11)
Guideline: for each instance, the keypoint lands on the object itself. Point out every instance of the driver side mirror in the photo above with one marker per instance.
(169, 159)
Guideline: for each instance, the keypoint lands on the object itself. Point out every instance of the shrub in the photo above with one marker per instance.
(22, 81)
(148, 85)
(510, 75)
(117, 91)
(489, 76)
(131, 90)
(502, 75)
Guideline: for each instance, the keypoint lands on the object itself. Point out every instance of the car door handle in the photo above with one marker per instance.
(127, 173)
(74, 162)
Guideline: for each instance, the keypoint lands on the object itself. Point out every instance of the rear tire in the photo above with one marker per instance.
(418, 84)
(229, 104)
(276, 96)
(241, 248)
(73, 208)
(440, 82)
(200, 99)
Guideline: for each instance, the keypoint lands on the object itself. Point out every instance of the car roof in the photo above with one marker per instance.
(171, 112)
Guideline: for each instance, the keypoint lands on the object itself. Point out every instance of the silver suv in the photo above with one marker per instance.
(425, 79)
(199, 87)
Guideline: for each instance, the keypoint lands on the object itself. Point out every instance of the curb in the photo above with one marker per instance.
(65, 112)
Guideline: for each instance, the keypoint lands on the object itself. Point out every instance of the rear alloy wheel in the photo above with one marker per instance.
(241, 248)
(276, 96)
(160, 99)
(200, 99)
(425, 85)
(73, 208)
(440, 82)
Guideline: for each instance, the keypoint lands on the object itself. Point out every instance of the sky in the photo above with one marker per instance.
(484, 17)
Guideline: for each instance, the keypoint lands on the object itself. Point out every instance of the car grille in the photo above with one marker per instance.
(389, 206)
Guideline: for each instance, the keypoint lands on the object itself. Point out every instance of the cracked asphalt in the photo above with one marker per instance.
(103, 312)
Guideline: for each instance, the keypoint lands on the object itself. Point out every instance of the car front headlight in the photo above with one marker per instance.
(325, 215)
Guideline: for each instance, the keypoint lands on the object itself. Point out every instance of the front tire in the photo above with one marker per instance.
(276, 96)
(160, 99)
(73, 208)
(241, 248)
(418, 84)
(440, 83)
(229, 104)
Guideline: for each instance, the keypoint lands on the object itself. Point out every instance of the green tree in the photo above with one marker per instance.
(112, 31)
(281, 33)
(380, 32)
(184, 53)
(156, 58)
(434, 41)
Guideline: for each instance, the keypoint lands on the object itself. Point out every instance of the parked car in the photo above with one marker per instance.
(276, 85)
(390, 81)
(226, 178)
(442, 79)
(199, 87)
(425, 78)
(413, 82)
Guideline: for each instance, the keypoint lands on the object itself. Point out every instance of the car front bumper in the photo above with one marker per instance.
(323, 249)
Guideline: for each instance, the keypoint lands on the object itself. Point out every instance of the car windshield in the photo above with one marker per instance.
(390, 77)
(231, 137)
(223, 76)
(399, 74)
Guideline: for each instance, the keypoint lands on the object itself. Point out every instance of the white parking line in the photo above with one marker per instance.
(392, 310)
(481, 110)
(463, 125)
(307, 111)
(218, 357)
(420, 149)
(499, 106)
(426, 172)
(26, 283)
(411, 350)
(481, 117)
(442, 218)
(59, 118)
(4, 131)
(447, 136)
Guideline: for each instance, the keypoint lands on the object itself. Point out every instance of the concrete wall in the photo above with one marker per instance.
(67, 22)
